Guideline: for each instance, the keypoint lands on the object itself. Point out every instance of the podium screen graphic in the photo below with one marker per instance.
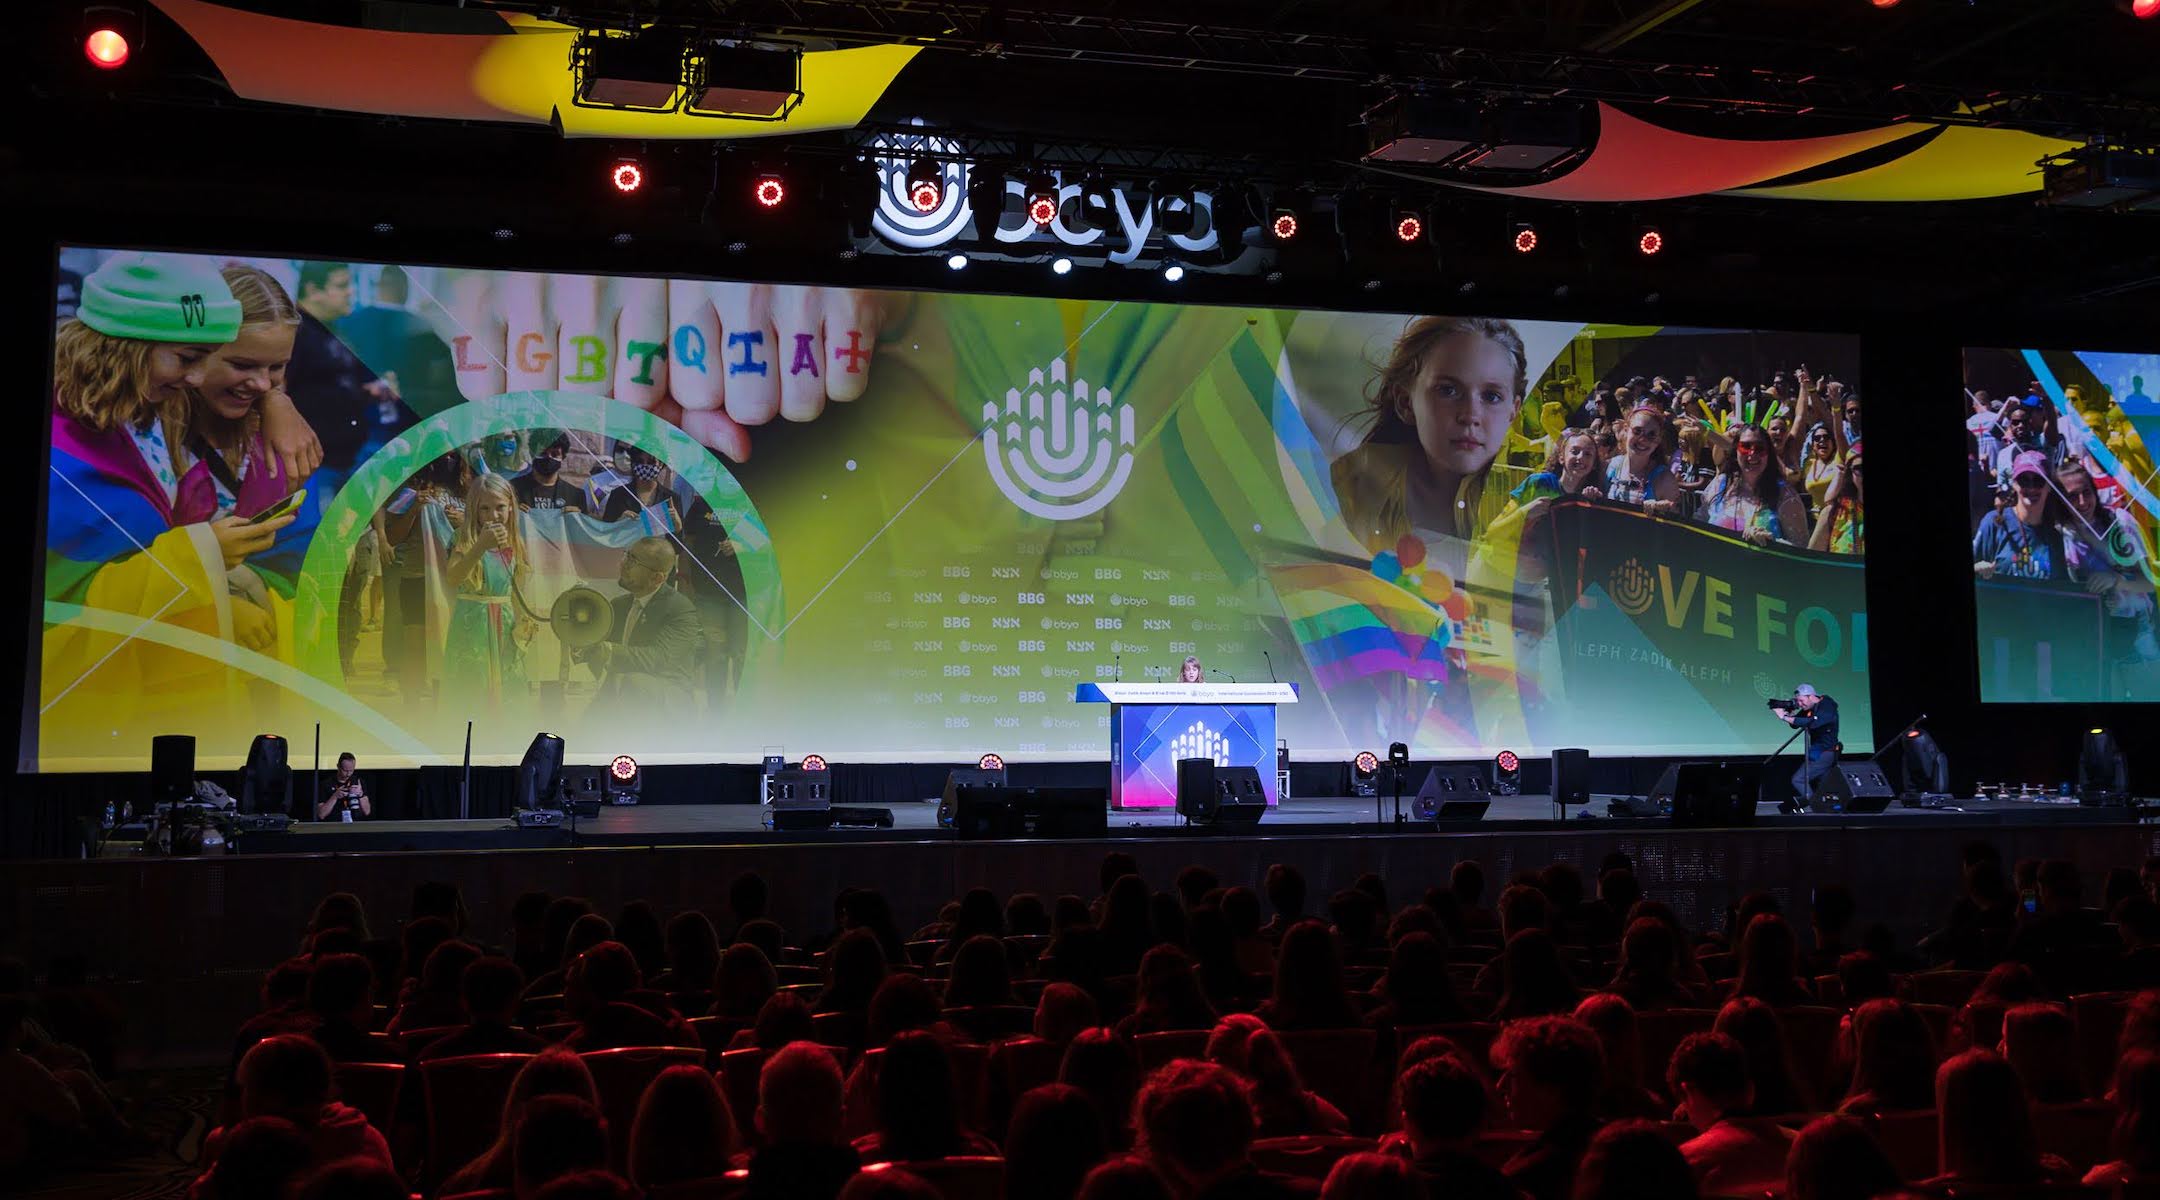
(687, 520)
(2065, 522)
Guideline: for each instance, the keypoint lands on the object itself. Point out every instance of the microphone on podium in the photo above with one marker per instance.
(1225, 674)
(1270, 667)
(1117, 668)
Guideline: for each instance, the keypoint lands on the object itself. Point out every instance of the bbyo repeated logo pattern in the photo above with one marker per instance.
(1057, 452)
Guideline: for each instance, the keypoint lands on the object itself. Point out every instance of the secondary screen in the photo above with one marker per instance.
(694, 520)
(2061, 493)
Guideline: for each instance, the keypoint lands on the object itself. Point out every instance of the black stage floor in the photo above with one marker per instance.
(916, 824)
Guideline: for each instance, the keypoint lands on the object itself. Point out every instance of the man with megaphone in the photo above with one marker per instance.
(652, 650)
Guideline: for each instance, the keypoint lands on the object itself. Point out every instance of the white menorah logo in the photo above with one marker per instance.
(1057, 453)
(1199, 742)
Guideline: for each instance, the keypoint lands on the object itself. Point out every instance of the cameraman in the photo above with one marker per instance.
(348, 799)
(1816, 713)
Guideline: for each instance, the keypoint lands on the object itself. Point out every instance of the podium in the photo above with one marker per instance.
(1153, 725)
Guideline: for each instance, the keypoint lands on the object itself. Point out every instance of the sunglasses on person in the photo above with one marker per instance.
(1751, 450)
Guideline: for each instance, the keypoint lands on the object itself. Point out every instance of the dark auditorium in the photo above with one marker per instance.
(577, 605)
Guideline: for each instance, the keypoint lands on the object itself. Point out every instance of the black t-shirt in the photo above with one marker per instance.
(348, 809)
(623, 501)
(531, 493)
(1821, 724)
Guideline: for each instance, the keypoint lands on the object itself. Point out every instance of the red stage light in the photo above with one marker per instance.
(990, 762)
(770, 191)
(1525, 239)
(1508, 761)
(1366, 762)
(627, 177)
(106, 48)
(1284, 226)
(813, 762)
(1042, 208)
(2145, 10)
(1886, 3)
(1650, 242)
(624, 768)
(925, 194)
(1408, 227)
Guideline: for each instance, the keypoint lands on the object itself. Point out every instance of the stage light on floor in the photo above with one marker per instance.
(106, 48)
(1524, 237)
(539, 776)
(627, 175)
(266, 778)
(2103, 773)
(926, 185)
(1409, 227)
(1061, 265)
(771, 190)
(1172, 272)
(957, 262)
(624, 780)
(1924, 768)
(992, 761)
(1649, 241)
(1507, 773)
(1363, 771)
(813, 762)
(1283, 224)
(623, 769)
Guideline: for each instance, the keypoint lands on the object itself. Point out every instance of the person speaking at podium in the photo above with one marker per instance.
(347, 799)
(1190, 672)
(1816, 713)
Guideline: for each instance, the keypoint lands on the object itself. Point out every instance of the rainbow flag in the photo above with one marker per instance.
(1351, 624)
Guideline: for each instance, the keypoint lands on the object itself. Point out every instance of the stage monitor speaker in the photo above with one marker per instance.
(991, 813)
(172, 769)
(861, 817)
(584, 790)
(539, 777)
(1571, 777)
(800, 799)
(266, 779)
(1208, 794)
(1461, 812)
(1708, 795)
(1445, 784)
(1855, 785)
(964, 777)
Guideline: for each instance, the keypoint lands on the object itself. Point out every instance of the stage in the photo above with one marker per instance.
(745, 825)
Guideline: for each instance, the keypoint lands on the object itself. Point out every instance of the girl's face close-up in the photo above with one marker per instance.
(1463, 402)
(492, 509)
(251, 366)
(1642, 436)
(175, 366)
(1579, 456)
(1753, 451)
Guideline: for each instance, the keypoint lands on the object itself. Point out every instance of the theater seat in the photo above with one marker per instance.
(1335, 1063)
(413, 1041)
(2099, 1026)
(1811, 1039)
(373, 1089)
(2079, 1132)
(1155, 1049)
(1942, 987)
(849, 1029)
(964, 1177)
(483, 1194)
(621, 1076)
(989, 1022)
(714, 1033)
(1909, 1139)
(1306, 1157)
(718, 1187)
(464, 1108)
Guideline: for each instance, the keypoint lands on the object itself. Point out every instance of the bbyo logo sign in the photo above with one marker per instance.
(1200, 742)
(898, 221)
(1058, 453)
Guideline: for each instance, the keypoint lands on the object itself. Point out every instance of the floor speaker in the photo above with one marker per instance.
(172, 768)
(1208, 794)
(1449, 784)
(991, 813)
(1855, 785)
(1571, 776)
(1708, 795)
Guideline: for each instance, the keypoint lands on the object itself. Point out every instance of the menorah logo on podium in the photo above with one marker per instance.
(1200, 742)
(1058, 452)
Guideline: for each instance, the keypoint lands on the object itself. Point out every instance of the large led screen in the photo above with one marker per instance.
(694, 520)
(2060, 490)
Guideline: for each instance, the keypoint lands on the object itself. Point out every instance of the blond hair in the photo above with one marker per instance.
(481, 488)
(263, 301)
(102, 382)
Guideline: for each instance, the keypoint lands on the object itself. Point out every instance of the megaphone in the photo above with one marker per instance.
(581, 617)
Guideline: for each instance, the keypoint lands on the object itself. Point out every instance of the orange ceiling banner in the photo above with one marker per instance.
(521, 74)
(1964, 163)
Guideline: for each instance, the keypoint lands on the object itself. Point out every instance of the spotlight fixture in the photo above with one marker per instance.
(1283, 223)
(106, 47)
(2145, 10)
(623, 769)
(1398, 755)
(624, 780)
(1042, 198)
(1894, 3)
(627, 175)
(744, 80)
(1176, 215)
(1061, 265)
(957, 262)
(1408, 226)
(505, 233)
(813, 762)
(1364, 769)
(925, 185)
(770, 191)
(385, 228)
(640, 71)
(2103, 775)
(1525, 237)
(1649, 241)
(992, 761)
(1173, 271)
(1507, 773)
